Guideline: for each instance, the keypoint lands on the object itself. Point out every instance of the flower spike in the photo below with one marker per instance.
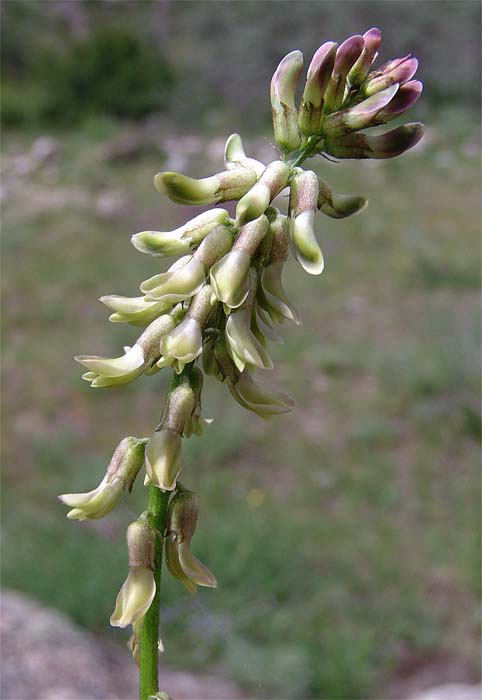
(214, 309)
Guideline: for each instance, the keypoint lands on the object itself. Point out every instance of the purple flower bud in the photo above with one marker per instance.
(405, 98)
(373, 39)
(388, 145)
(362, 115)
(346, 56)
(318, 78)
(400, 70)
(348, 53)
(319, 73)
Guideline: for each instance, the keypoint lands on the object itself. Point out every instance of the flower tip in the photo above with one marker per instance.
(115, 621)
(348, 52)
(76, 514)
(372, 34)
(136, 241)
(162, 180)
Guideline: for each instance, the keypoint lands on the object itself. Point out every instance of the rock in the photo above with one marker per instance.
(47, 657)
(44, 148)
(111, 204)
(453, 691)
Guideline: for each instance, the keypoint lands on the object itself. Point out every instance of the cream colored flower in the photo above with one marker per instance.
(263, 400)
(134, 598)
(138, 590)
(182, 345)
(183, 279)
(243, 346)
(179, 241)
(272, 296)
(229, 278)
(97, 503)
(181, 562)
(104, 372)
(164, 458)
(124, 466)
(134, 310)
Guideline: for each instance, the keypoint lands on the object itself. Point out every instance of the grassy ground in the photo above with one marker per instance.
(344, 535)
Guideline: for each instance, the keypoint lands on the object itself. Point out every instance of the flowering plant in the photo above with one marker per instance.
(214, 309)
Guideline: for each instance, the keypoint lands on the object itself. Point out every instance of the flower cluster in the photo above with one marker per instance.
(213, 311)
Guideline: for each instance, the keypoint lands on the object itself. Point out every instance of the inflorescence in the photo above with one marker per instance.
(217, 305)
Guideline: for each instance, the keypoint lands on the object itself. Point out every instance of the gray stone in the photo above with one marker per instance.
(45, 656)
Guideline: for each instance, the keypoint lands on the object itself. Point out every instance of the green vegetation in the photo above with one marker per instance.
(112, 71)
(342, 534)
(209, 57)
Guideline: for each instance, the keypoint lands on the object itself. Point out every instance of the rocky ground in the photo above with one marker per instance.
(45, 656)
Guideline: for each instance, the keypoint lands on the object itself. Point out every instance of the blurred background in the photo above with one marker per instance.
(344, 535)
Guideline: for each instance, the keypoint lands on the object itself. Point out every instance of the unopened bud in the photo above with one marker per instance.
(388, 145)
(184, 343)
(230, 184)
(372, 39)
(279, 231)
(346, 56)
(400, 71)
(256, 201)
(338, 206)
(230, 275)
(251, 234)
(164, 458)
(214, 246)
(283, 89)
(229, 278)
(405, 98)
(178, 242)
(362, 115)
(319, 74)
(303, 205)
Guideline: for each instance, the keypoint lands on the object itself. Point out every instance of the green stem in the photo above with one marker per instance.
(149, 667)
(308, 150)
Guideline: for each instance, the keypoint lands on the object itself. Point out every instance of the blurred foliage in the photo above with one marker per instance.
(344, 535)
(66, 59)
(111, 71)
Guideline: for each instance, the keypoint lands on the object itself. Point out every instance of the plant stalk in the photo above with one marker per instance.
(149, 657)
